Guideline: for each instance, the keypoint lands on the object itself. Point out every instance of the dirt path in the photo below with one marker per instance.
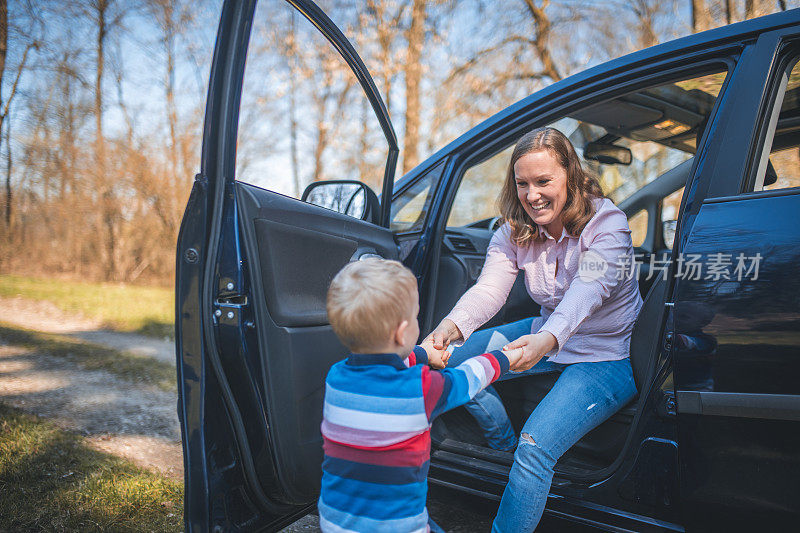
(132, 420)
(44, 316)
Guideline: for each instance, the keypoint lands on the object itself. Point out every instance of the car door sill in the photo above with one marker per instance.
(491, 461)
(580, 512)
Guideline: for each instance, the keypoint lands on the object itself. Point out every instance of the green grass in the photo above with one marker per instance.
(128, 366)
(50, 480)
(146, 310)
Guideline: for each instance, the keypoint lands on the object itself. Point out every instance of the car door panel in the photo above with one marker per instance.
(253, 339)
(738, 409)
(292, 239)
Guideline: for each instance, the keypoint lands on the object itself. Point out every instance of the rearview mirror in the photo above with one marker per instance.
(348, 197)
(608, 154)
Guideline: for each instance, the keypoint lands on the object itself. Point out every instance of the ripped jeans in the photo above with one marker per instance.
(584, 395)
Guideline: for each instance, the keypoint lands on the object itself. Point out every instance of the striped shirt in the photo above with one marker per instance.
(376, 434)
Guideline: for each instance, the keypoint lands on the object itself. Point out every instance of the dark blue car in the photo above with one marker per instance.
(697, 140)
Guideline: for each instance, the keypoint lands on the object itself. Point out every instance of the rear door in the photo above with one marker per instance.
(253, 339)
(736, 303)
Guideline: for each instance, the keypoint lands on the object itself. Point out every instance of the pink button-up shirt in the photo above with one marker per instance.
(590, 311)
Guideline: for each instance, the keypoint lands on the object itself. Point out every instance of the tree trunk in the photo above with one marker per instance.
(416, 39)
(756, 8)
(322, 122)
(105, 186)
(730, 12)
(645, 12)
(293, 74)
(8, 178)
(385, 34)
(165, 13)
(3, 51)
(701, 18)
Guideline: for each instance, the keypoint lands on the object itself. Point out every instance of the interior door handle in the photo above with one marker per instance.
(366, 253)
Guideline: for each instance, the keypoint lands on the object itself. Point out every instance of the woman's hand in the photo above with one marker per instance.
(437, 359)
(440, 338)
(533, 348)
(445, 333)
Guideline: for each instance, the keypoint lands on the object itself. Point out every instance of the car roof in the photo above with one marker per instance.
(740, 31)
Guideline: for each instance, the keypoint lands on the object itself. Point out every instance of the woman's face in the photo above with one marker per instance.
(542, 188)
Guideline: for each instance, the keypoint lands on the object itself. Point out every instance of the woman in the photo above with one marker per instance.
(571, 243)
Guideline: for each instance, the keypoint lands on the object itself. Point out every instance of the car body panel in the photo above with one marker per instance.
(737, 401)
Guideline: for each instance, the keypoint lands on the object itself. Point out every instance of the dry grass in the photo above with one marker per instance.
(146, 310)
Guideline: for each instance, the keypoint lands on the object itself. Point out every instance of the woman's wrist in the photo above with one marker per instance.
(550, 340)
(454, 333)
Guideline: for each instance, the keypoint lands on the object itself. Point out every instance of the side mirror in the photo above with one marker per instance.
(608, 154)
(348, 197)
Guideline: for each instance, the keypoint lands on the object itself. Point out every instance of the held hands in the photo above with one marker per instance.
(437, 342)
(528, 350)
(436, 358)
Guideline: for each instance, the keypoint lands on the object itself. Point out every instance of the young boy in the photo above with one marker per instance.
(381, 400)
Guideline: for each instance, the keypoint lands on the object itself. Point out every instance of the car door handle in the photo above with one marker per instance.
(366, 253)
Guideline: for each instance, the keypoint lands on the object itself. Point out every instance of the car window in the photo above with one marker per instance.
(670, 206)
(476, 198)
(410, 208)
(638, 225)
(658, 126)
(779, 167)
(304, 117)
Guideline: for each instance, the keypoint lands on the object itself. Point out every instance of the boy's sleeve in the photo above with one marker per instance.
(418, 357)
(447, 389)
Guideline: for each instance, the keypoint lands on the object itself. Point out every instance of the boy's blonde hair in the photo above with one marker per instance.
(368, 299)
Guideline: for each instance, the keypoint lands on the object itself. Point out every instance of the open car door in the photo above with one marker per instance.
(252, 336)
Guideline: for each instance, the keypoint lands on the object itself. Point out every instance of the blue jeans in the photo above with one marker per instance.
(584, 396)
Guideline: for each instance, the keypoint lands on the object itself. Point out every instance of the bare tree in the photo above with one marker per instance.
(106, 17)
(541, 41)
(415, 37)
(386, 23)
(757, 8)
(645, 12)
(730, 12)
(5, 104)
(701, 18)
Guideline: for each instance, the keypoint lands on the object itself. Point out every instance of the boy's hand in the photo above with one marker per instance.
(436, 358)
(528, 350)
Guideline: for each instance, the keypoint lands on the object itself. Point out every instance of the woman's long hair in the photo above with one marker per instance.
(582, 187)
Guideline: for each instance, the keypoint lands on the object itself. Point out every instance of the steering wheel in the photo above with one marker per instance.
(495, 223)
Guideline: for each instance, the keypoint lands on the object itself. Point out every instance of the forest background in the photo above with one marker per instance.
(102, 103)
